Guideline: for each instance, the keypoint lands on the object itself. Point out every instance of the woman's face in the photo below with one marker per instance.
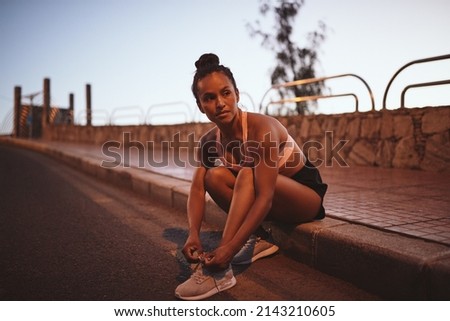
(217, 97)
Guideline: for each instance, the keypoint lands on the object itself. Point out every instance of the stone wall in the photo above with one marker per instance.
(142, 133)
(414, 138)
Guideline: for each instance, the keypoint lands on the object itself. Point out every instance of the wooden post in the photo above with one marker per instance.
(17, 109)
(88, 105)
(46, 106)
(71, 104)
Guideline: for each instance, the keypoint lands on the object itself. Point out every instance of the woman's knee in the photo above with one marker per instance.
(217, 176)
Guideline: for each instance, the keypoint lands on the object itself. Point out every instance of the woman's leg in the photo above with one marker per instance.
(234, 194)
(293, 202)
(219, 183)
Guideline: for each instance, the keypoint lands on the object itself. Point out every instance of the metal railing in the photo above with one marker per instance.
(190, 115)
(137, 112)
(414, 62)
(123, 115)
(7, 125)
(317, 97)
(99, 117)
(250, 99)
(187, 112)
(423, 84)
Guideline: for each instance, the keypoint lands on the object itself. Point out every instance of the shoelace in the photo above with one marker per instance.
(251, 241)
(198, 275)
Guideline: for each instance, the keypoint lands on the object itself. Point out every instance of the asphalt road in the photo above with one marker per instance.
(67, 236)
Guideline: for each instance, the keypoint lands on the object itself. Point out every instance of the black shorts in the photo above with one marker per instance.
(310, 176)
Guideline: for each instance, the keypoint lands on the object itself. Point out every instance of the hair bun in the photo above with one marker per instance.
(208, 59)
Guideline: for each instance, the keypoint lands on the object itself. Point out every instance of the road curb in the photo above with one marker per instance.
(388, 264)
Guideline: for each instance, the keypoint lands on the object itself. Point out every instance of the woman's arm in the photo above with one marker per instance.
(195, 211)
(196, 203)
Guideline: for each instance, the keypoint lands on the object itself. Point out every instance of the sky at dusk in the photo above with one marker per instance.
(136, 54)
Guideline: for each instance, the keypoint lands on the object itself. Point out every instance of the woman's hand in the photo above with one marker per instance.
(192, 249)
(219, 259)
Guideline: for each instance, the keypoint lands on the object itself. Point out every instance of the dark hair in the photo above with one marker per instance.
(206, 64)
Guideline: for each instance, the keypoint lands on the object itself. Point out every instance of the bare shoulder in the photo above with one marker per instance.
(261, 125)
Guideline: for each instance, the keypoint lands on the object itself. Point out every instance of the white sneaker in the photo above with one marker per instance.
(254, 249)
(203, 283)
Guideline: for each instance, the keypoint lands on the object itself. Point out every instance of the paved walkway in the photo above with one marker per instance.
(387, 230)
(415, 203)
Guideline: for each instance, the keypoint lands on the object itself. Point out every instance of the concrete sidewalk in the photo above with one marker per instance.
(387, 230)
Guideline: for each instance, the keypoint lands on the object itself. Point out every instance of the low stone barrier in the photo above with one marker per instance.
(413, 138)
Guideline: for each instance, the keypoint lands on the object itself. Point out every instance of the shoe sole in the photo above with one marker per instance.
(220, 288)
(267, 252)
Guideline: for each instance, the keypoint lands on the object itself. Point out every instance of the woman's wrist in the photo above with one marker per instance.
(233, 247)
(194, 233)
